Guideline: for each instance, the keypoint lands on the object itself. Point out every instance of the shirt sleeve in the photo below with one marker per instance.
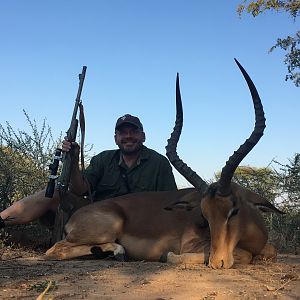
(94, 171)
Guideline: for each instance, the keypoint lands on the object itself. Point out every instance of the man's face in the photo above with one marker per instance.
(129, 138)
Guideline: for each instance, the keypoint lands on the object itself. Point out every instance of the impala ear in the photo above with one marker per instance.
(269, 207)
(257, 200)
(186, 202)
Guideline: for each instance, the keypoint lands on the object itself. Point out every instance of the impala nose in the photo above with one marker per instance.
(217, 264)
(222, 263)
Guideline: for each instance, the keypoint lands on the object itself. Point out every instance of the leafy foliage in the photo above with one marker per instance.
(286, 230)
(289, 178)
(290, 44)
(24, 160)
(292, 58)
(262, 181)
(259, 6)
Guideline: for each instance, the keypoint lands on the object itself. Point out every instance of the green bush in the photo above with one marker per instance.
(24, 160)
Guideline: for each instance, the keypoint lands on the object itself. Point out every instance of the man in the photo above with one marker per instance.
(129, 169)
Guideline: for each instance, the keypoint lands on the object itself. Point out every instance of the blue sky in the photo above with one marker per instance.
(132, 50)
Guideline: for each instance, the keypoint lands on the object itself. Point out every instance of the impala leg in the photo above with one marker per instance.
(109, 250)
(241, 256)
(269, 252)
(66, 250)
(194, 250)
(186, 258)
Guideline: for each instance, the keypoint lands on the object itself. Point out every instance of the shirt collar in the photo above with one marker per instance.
(144, 155)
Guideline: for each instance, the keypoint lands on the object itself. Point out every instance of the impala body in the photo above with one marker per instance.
(219, 224)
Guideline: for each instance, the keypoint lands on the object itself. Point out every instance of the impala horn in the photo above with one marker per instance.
(190, 175)
(258, 131)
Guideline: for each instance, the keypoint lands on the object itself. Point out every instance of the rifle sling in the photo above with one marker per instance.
(82, 129)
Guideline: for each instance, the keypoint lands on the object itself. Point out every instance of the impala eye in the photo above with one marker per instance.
(233, 212)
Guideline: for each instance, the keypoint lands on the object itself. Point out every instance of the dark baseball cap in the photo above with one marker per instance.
(129, 119)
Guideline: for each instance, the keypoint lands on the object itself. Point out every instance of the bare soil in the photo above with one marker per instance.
(26, 274)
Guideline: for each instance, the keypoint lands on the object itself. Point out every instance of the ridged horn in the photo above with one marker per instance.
(190, 175)
(258, 131)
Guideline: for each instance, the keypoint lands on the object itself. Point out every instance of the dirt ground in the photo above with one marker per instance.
(26, 274)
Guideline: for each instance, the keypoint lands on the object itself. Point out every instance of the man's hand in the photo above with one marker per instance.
(77, 185)
(73, 148)
(67, 146)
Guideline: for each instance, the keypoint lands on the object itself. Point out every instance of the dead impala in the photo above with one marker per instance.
(219, 223)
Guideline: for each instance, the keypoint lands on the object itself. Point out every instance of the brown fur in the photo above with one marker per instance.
(153, 225)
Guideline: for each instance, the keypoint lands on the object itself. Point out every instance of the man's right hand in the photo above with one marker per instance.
(78, 185)
(67, 146)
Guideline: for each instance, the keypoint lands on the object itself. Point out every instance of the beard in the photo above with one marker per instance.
(130, 146)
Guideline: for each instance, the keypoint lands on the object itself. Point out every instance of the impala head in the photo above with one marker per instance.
(221, 201)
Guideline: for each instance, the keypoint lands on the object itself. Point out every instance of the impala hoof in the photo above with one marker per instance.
(98, 253)
(120, 257)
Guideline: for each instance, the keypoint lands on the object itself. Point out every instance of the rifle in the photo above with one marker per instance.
(63, 181)
(64, 178)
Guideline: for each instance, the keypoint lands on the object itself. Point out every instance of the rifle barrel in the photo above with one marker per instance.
(77, 101)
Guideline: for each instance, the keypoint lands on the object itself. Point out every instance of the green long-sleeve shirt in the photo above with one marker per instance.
(109, 177)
